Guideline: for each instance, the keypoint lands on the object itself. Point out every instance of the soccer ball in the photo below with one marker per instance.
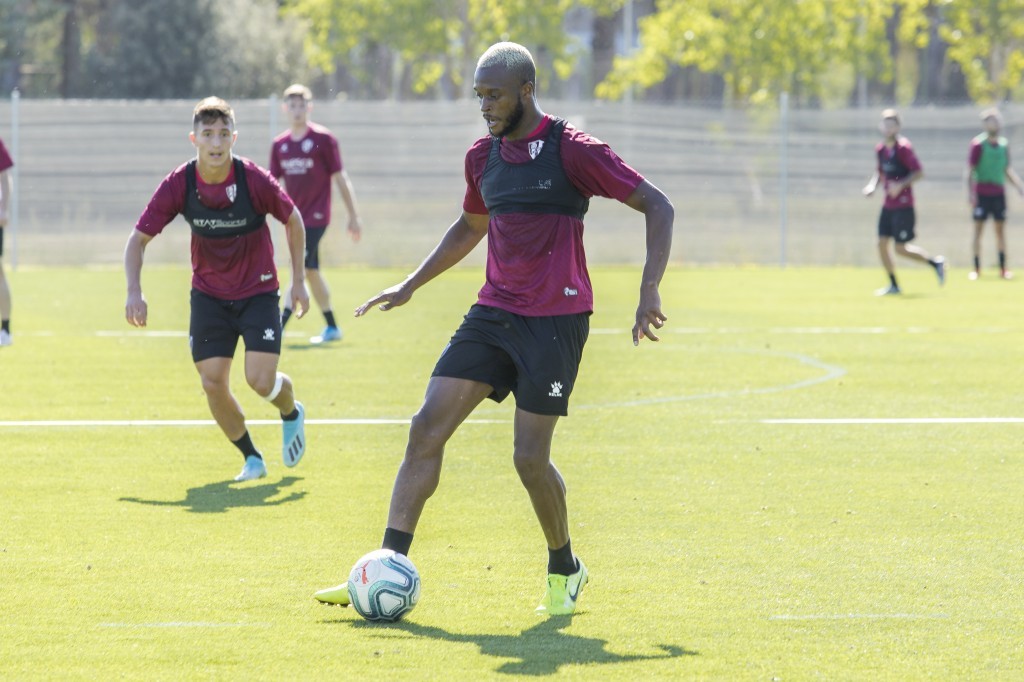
(384, 585)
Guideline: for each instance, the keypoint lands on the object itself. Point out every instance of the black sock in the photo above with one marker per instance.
(291, 417)
(329, 316)
(561, 560)
(977, 264)
(892, 278)
(397, 541)
(5, 325)
(285, 314)
(1002, 260)
(245, 446)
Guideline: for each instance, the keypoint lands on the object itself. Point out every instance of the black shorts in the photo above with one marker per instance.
(216, 324)
(897, 223)
(535, 358)
(313, 237)
(994, 206)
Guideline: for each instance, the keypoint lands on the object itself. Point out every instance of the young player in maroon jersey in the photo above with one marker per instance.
(898, 166)
(988, 169)
(225, 200)
(5, 200)
(528, 186)
(307, 159)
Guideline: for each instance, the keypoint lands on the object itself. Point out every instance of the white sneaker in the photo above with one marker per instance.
(5, 338)
(254, 468)
(294, 436)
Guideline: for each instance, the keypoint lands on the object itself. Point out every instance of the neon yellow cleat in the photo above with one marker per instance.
(333, 595)
(563, 591)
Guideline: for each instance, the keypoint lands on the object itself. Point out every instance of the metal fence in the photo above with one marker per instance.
(753, 186)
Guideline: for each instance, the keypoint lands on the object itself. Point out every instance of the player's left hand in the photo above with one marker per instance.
(648, 314)
(300, 299)
(896, 190)
(355, 228)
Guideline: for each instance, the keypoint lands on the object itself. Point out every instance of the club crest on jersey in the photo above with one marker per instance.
(535, 148)
(307, 144)
(232, 191)
(284, 147)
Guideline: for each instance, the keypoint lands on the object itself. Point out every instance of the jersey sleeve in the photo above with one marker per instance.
(332, 155)
(909, 159)
(974, 156)
(268, 197)
(275, 161)
(5, 158)
(595, 169)
(166, 203)
(476, 159)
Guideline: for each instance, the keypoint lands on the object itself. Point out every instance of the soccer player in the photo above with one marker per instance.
(225, 200)
(306, 157)
(898, 165)
(988, 167)
(528, 188)
(5, 200)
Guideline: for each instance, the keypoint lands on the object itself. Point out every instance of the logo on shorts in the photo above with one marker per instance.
(556, 389)
(570, 292)
(535, 148)
(232, 191)
(903, 234)
(268, 334)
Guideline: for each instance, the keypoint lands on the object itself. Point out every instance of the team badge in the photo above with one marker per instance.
(284, 148)
(307, 145)
(232, 191)
(535, 148)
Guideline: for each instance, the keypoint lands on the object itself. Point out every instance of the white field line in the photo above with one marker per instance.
(210, 422)
(901, 420)
(861, 616)
(185, 624)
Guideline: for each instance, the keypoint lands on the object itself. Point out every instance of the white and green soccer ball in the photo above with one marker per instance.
(384, 585)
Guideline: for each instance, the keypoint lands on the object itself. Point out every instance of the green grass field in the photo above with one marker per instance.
(723, 542)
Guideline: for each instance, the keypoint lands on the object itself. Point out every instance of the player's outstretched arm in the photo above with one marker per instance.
(136, 310)
(872, 185)
(659, 214)
(463, 235)
(296, 233)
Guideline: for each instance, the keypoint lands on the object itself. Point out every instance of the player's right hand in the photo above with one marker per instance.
(868, 190)
(136, 311)
(392, 297)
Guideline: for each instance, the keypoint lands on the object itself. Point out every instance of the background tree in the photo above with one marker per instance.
(986, 39)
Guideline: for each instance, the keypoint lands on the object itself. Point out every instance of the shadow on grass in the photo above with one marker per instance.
(540, 650)
(217, 498)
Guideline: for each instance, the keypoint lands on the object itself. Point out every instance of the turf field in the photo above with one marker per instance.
(744, 506)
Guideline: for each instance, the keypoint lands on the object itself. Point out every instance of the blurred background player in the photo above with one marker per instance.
(528, 187)
(988, 168)
(899, 167)
(306, 157)
(5, 201)
(225, 200)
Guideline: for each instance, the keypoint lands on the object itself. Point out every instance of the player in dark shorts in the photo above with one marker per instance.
(528, 187)
(5, 201)
(225, 200)
(898, 166)
(307, 159)
(988, 168)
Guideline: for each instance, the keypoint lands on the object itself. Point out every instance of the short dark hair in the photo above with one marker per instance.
(213, 109)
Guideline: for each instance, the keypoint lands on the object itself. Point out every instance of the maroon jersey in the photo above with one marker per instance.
(536, 265)
(307, 165)
(893, 165)
(5, 158)
(228, 268)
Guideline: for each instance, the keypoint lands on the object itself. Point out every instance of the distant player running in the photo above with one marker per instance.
(306, 157)
(898, 166)
(528, 187)
(226, 200)
(5, 201)
(988, 168)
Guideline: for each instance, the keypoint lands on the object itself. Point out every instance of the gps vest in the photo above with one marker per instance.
(892, 167)
(237, 219)
(992, 163)
(539, 186)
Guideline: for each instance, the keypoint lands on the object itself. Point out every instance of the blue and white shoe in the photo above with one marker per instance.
(254, 468)
(294, 433)
(940, 269)
(327, 335)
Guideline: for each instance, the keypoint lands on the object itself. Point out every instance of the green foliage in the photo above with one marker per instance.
(987, 40)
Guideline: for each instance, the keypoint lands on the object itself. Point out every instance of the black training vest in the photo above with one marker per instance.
(538, 186)
(237, 219)
(892, 167)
